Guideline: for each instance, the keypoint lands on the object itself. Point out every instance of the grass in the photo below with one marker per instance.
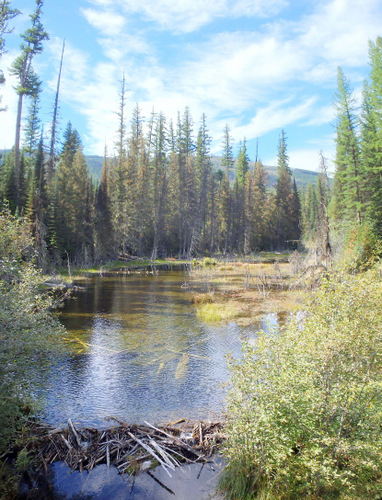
(243, 291)
(216, 313)
(62, 273)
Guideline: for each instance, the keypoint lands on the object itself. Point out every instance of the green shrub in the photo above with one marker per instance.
(362, 248)
(209, 262)
(305, 408)
(28, 331)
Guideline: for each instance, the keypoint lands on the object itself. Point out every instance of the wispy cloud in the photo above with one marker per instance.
(190, 15)
(270, 74)
(106, 22)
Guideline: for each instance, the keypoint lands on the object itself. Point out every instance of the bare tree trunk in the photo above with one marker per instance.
(50, 165)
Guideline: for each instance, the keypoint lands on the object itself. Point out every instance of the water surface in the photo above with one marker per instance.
(138, 352)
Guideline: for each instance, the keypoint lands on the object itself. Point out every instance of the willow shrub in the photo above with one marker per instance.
(29, 334)
(305, 407)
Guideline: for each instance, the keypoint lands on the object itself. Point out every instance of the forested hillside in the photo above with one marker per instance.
(162, 193)
(303, 177)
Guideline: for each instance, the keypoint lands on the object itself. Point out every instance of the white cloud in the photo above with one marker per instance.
(92, 91)
(107, 22)
(124, 46)
(9, 100)
(256, 80)
(261, 8)
(307, 159)
(189, 15)
(277, 115)
(320, 116)
(338, 31)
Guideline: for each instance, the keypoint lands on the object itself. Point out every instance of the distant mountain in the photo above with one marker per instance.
(303, 177)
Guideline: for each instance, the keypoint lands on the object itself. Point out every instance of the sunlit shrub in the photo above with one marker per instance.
(362, 248)
(28, 331)
(305, 408)
(209, 262)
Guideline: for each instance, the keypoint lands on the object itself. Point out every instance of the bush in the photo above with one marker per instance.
(209, 262)
(28, 332)
(305, 408)
(362, 249)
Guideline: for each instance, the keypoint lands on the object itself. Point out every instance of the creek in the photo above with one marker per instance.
(137, 351)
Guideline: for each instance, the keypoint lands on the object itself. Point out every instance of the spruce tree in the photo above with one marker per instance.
(104, 234)
(160, 183)
(347, 193)
(203, 179)
(371, 136)
(259, 229)
(27, 80)
(287, 209)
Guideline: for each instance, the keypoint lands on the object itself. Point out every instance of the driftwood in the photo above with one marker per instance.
(130, 448)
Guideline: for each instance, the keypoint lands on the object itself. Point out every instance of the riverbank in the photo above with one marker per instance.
(69, 274)
(230, 289)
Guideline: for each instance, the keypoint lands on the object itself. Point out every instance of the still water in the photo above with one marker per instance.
(137, 351)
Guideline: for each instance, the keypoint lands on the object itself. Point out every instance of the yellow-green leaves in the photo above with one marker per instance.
(305, 410)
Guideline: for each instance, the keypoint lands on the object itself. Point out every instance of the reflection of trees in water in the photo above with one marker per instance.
(144, 352)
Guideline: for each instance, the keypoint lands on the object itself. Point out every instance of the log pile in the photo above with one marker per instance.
(130, 448)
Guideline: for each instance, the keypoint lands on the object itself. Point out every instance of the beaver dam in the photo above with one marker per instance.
(137, 349)
(130, 448)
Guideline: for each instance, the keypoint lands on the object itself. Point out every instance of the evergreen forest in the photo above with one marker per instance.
(160, 194)
(304, 413)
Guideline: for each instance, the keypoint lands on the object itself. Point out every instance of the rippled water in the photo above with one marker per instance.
(138, 352)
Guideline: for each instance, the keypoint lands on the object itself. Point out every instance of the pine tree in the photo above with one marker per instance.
(160, 181)
(287, 203)
(225, 196)
(203, 179)
(323, 246)
(259, 231)
(104, 234)
(73, 195)
(119, 179)
(186, 181)
(347, 193)
(371, 137)
(36, 207)
(27, 80)
(138, 159)
(243, 190)
(32, 129)
(51, 165)
(309, 213)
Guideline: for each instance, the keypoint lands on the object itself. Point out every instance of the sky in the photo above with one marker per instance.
(258, 66)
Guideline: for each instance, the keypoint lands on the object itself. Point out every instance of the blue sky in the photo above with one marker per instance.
(258, 65)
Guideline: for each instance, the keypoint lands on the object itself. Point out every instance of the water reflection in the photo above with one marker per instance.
(138, 352)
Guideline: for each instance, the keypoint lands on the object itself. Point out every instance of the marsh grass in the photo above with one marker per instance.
(243, 291)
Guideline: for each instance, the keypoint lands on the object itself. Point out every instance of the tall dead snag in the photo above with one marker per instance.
(50, 164)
